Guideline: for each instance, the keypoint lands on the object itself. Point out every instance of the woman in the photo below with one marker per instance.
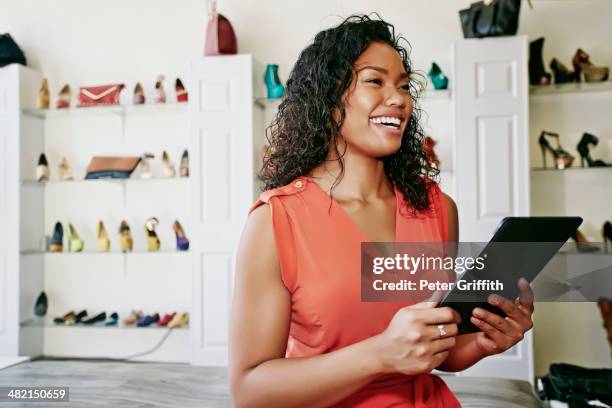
(346, 166)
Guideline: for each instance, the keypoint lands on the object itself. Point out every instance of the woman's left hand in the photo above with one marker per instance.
(500, 333)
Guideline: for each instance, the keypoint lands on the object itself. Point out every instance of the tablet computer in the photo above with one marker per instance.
(508, 263)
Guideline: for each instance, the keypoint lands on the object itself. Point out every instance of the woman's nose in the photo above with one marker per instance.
(396, 98)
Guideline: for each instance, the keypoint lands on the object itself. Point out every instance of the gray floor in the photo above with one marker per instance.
(118, 384)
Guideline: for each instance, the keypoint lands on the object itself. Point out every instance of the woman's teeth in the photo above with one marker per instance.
(386, 121)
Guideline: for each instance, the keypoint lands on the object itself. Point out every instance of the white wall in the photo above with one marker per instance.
(86, 42)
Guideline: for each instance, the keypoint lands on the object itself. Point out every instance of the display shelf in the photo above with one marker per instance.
(49, 324)
(571, 169)
(572, 87)
(114, 110)
(101, 180)
(100, 253)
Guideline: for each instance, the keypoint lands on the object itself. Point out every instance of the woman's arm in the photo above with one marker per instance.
(260, 375)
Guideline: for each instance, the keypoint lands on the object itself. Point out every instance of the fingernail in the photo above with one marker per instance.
(474, 320)
(494, 300)
(478, 312)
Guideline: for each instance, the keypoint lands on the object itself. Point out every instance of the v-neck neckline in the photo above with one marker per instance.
(349, 220)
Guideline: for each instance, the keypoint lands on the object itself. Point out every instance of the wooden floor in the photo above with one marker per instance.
(121, 384)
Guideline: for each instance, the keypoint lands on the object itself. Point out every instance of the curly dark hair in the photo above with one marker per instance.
(301, 133)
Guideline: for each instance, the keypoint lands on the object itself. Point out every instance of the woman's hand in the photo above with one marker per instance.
(412, 343)
(499, 333)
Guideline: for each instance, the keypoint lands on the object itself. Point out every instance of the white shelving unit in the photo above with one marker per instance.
(163, 281)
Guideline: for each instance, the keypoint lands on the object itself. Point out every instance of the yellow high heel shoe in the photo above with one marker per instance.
(153, 242)
(179, 320)
(42, 100)
(75, 244)
(103, 242)
(125, 237)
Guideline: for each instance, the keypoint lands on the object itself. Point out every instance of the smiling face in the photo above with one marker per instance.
(377, 104)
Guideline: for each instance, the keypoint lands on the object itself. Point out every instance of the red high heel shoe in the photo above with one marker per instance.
(181, 93)
(592, 73)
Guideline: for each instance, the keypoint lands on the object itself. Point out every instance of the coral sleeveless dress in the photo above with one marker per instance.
(319, 255)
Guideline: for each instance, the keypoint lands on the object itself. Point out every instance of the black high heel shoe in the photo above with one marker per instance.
(606, 231)
(40, 307)
(562, 73)
(561, 157)
(583, 150)
(537, 73)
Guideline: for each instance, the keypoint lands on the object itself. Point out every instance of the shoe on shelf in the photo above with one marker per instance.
(41, 305)
(592, 73)
(145, 166)
(74, 319)
(160, 94)
(606, 232)
(100, 317)
(561, 157)
(537, 73)
(153, 242)
(181, 93)
(57, 240)
(438, 79)
(65, 172)
(585, 154)
(179, 320)
(133, 318)
(42, 168)
(102, 239)
(562, 73)
(273, 83)
(126, 242)
(62, 320)
(63, 99)
(42, 99)
(148, 320)
(75, 244)
(166, 319)
(182, 243)
(112, 320)
(139, 97)
(582, 244)
(168, 168)
(184, 167)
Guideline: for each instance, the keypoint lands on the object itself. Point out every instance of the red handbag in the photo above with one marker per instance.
(100, 95)
(220, 36)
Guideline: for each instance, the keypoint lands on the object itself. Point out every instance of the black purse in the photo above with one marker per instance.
(10, 51)
(499, 17)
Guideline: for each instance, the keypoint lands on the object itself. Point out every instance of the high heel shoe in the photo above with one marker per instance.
(182, 243)
(606, 232)
(181, 93)
(583, 150)
(592, 73)
(42, 168)
(562, 73)
(63, 99)
(41, 305)
(139, 97)
(57, 240)
(184, 167)
(537, 73)
(100, 317)
(145, 166)
(160, 94)
(153, 242)
(73, 319)
(168, 168)
(65, 172)
(438, 79)
(582, 245)
(561, 157)
(102, 241)
(75, 244)
(126, 243)
(112, 320)
(273, 84)
(42, 99)
(428, 145)
(179, 320)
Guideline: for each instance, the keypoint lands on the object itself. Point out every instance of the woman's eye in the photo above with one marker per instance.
(405, 87)
(374, 81)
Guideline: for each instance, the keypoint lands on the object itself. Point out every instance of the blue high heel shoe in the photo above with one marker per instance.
(57, 241)
(275, 88)
(148, 320)
(112, 320)
(182, 243)
(438, 79)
